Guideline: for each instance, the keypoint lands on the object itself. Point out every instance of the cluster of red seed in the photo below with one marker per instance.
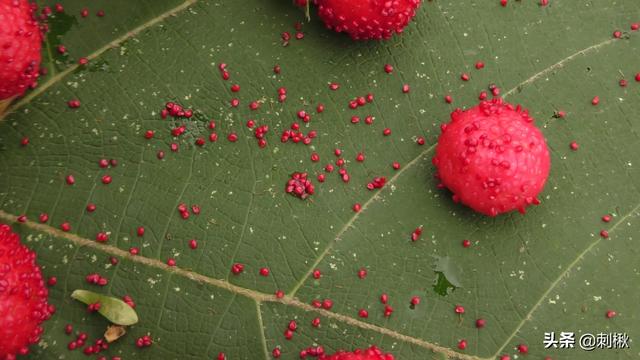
(286, 36)
(299, 186)
(312, 351)
(377, 183)
(415, 235)
(96, 279)
(184, 210)
(176, 111)
(93, 307)
(144, 341)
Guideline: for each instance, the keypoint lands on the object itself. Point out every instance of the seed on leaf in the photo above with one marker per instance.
(264, 271)
(113, 309)
(606, 218)
(193, 244)
(388, 68)
(70, 179)
(480, 323)
(523, 349)
(316, 274)
(102, 237)
(610, 314)
(106, 179)
(327, 304)
(171, 262)
(462, 344)
(406, 88)
(420, 140)
(362, 273)
(65, 226)
(595, 100)
(466, 243)
(395, 165)
(574, 146)
(279, 294)
(386, 132)
(479, 65)
(52, 281)
(388, 310)
(43, 218)
(91, 207)
(464, 77)
(357, 207)
(415, 300)
(288, 334)
(604, 234)
(237, 268)
(459, 309)
(134, 250)
(448, 99)
(232, 137)
(22, 218)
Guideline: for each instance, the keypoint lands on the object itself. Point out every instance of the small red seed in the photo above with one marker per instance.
(363, 313)
(604, 234)
(362, 273)
(91, 207)
(193, 244)
(388, 68)
(479, 65)
(134, 251)
(574, 146)
(523, 349)
(65, 226)
(279, 294)
(357, 207)
(395, 165)
(70, 180)
(466, 243)
(140, 231)
(610, 314)
(106, 179)
(420, 140)
(480, 323)
(232, 137)
(43, 218)
(464, 77)
(617, 34)
(317, 274)
(52, 281)
(386, 132)
(462, 344)
(459, 309)
(384, 298)
(264, 271)
(171, 262)
(315, 322)
(448, 99)
(606, 218)
(406, 88)
(595, 100)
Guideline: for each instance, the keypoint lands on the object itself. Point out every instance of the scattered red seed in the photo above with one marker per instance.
(415, 300)
(237, 268)
(466, 243)
(462, 344)
(479, 65)
(480, 323)
(448, 99)
(362, 273)
(43, 218)
(604, 234)
(523, 349)
(65, 226)
(464, 77)
(606, 218)
(610, 314)
(357, 207)
(264, 271)
(459, 309)
(388, 68)
(316, 274)
(405, 88)
(595, 101)
(386, 132)
(574, 146)
(363, 313)
(617, 34)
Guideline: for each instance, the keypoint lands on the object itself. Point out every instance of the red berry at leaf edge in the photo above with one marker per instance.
(21, 41)
(493, 158)
(23, 296)
(367, 19)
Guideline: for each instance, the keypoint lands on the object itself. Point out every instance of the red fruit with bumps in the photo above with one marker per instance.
(367, 19)
(493, 158)
(20, 43)
(372, 353)
(23, 296)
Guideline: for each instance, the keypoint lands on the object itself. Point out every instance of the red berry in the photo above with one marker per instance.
(386, 132)
(23, 301)
(21, 40)
(464, 77)
(493, 158)
(367, 19)
(91, 207)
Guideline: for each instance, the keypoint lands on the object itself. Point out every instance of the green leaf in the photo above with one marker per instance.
(525, 275)
(115, 310)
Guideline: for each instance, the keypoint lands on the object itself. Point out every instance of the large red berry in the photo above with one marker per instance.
(23, 296)
(20, 42)
(367, 19)
(493, 158)
(372, 353)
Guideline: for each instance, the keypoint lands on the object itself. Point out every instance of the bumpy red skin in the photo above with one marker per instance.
(23, 296)
(493, 158)
(20, 43)
(372, 353)
(367, 19)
